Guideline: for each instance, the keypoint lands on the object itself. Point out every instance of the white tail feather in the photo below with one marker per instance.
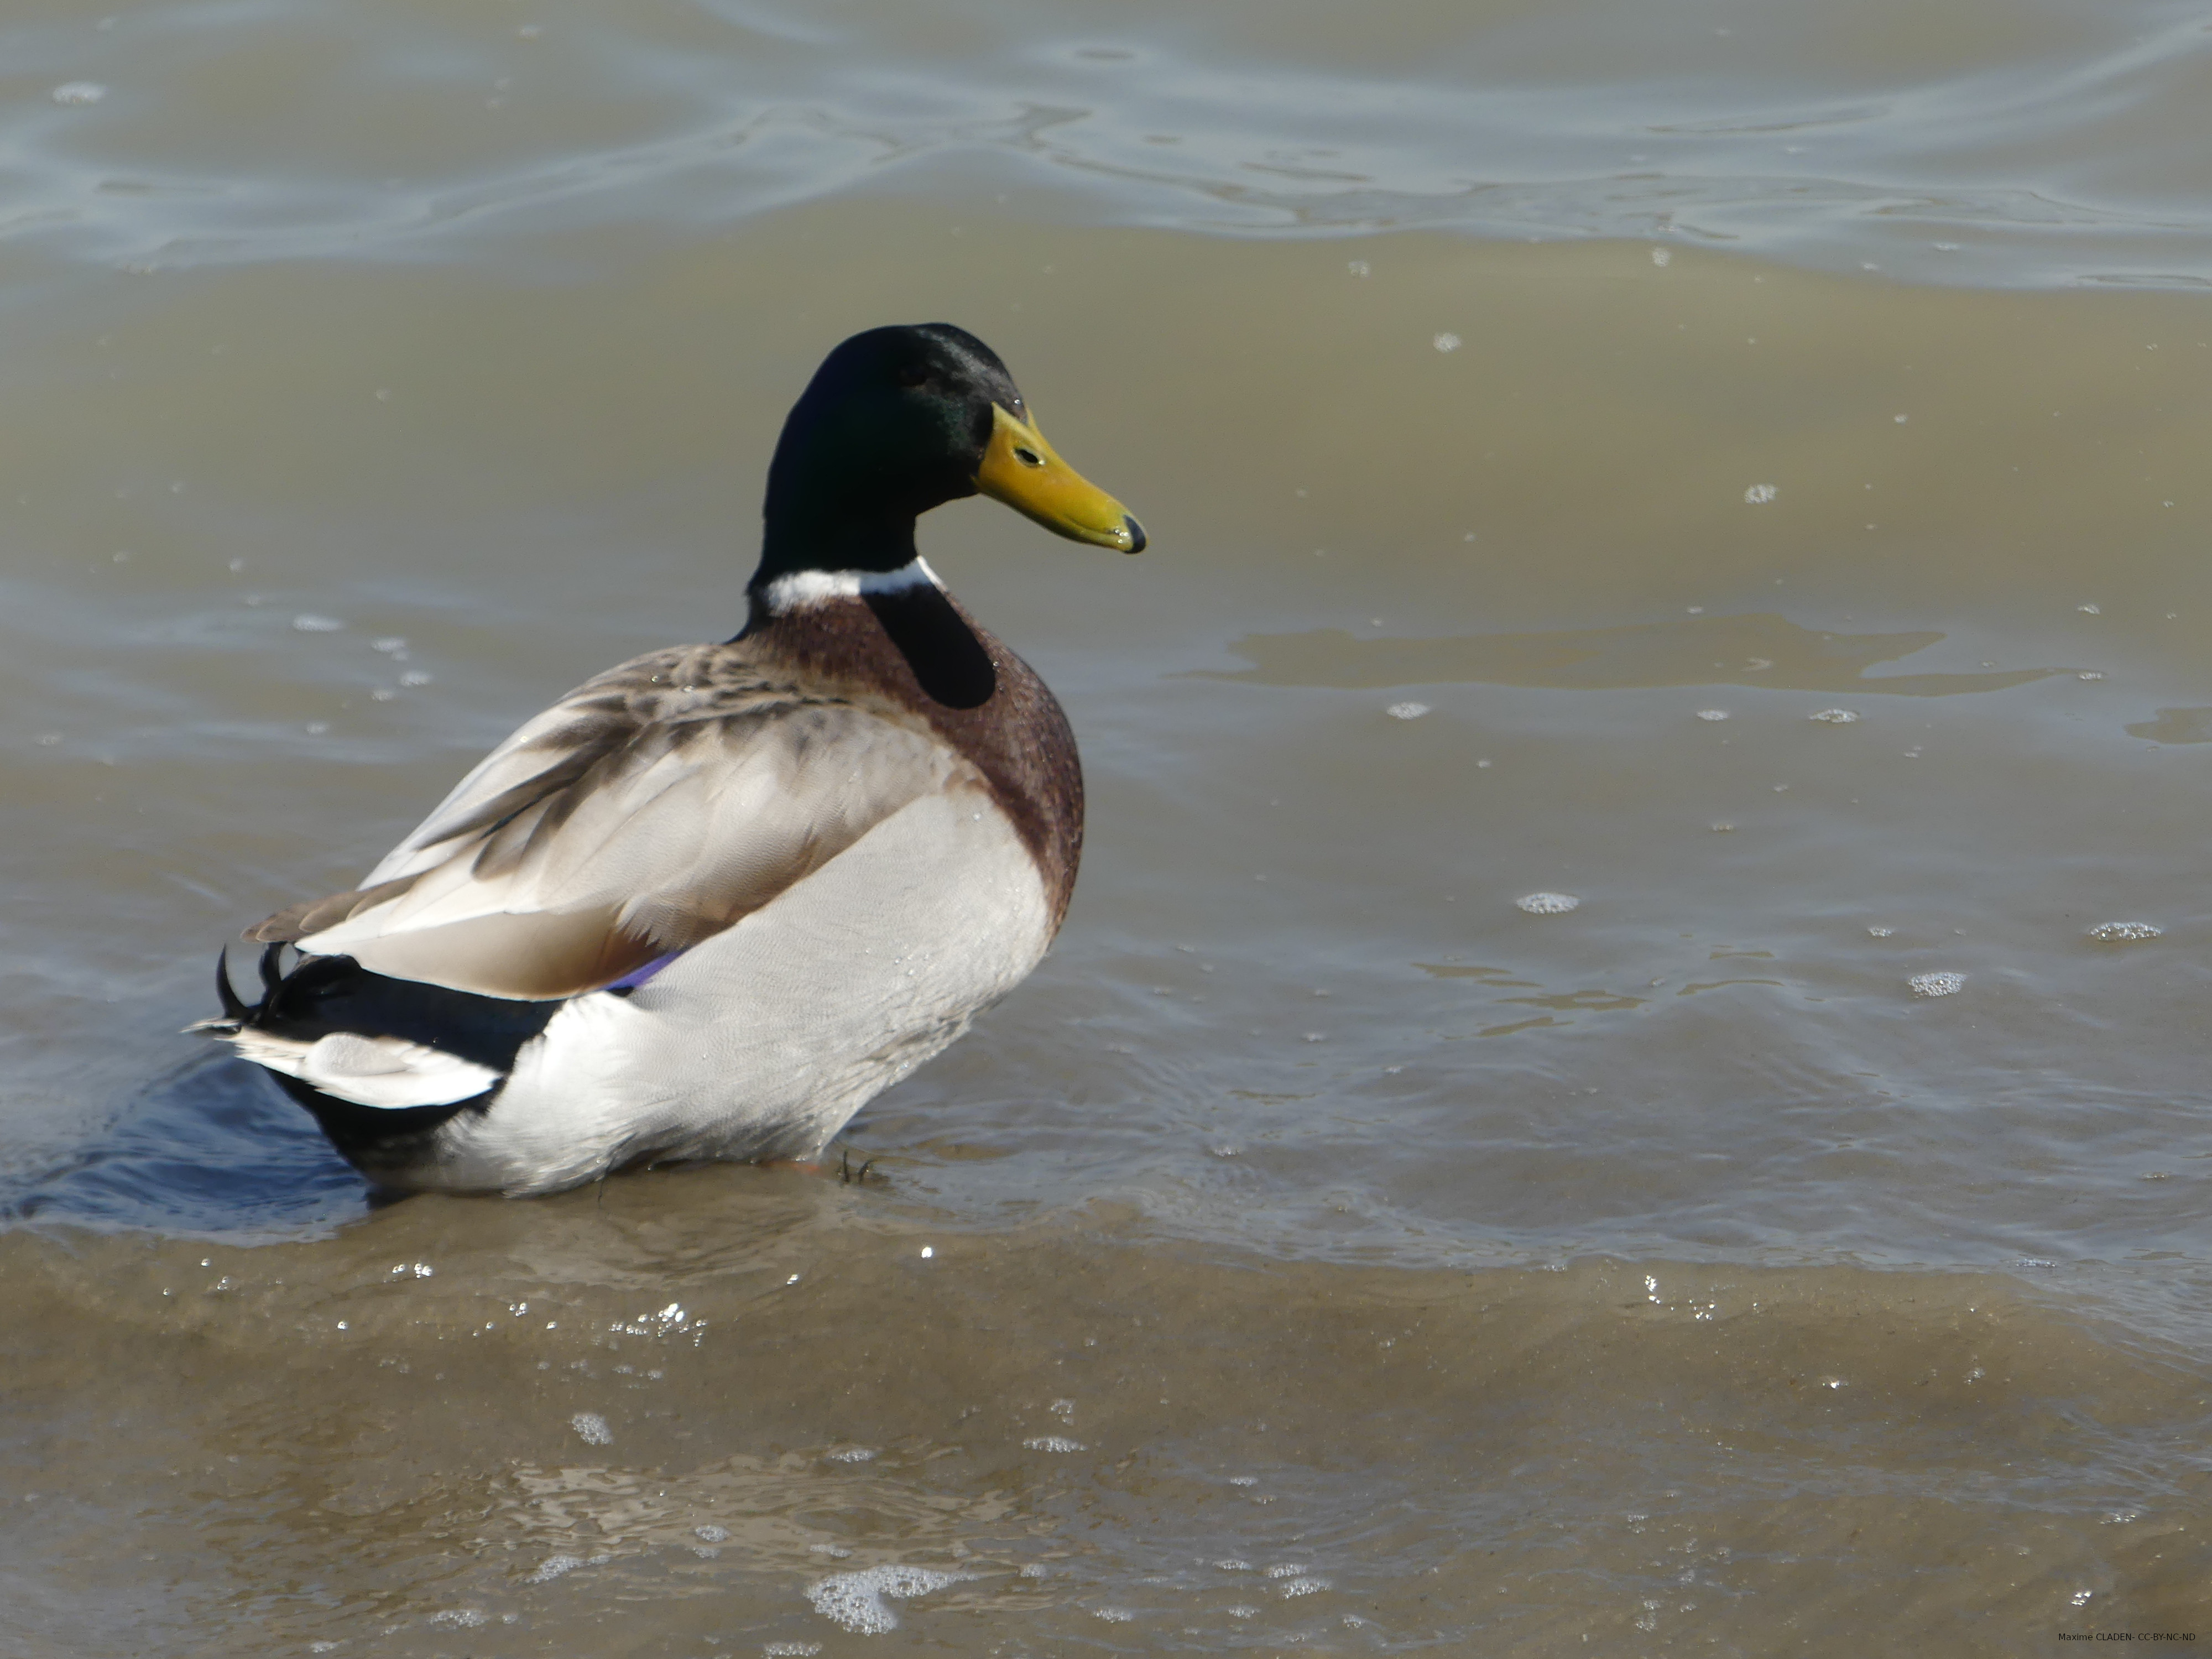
(383, 1071)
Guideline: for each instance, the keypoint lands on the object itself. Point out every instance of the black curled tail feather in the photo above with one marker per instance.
(272, 973)
(237, 1012)
(235, 1008)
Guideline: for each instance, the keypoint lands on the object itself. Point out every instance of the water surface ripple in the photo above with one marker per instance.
(1958, 141)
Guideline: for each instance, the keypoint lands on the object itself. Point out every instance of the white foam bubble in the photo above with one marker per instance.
(1114, 1615)
(1835, 716)
(1936, 985)
(1712, 714)
(1446, 343)
(861, 1602)
(1879, 933)
(1054, 1443)
(593, 1428)
(78, 91)
(1547, 904)
(2120, 933)
(1288, 1570)
(1301, 1586)
(791, 1649)
(712, 1533)
(308, 623)
(1244, 1613)
(552, 1567)
(461, 1617)
(1407, 711)
(1660, 256)
(851, 1454)
(1760, 495)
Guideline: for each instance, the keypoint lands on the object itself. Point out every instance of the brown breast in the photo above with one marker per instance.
(906, 646)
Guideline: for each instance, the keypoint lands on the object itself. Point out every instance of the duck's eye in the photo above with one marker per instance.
(912, 374)
(1028, 457)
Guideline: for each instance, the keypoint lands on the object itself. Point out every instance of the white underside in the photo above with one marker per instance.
(763, 1041)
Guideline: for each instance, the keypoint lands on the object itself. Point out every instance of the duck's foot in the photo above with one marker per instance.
(848, 1175)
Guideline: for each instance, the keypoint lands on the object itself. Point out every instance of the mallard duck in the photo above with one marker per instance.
(709, 903)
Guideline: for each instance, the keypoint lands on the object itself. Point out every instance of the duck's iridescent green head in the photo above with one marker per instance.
(897, 420)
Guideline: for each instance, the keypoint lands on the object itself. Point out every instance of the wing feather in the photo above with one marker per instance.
(648, 810)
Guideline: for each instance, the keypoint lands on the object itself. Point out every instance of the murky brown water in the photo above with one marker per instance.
(1323, 1252)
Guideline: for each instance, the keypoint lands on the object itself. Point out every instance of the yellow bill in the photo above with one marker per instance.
(1020, 468)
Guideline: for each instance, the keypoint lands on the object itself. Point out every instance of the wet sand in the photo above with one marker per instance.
(651, 1415)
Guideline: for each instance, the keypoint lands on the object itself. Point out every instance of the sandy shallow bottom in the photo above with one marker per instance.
(715, 1412)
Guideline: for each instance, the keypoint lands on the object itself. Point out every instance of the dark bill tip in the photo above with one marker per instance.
(1136, 534)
